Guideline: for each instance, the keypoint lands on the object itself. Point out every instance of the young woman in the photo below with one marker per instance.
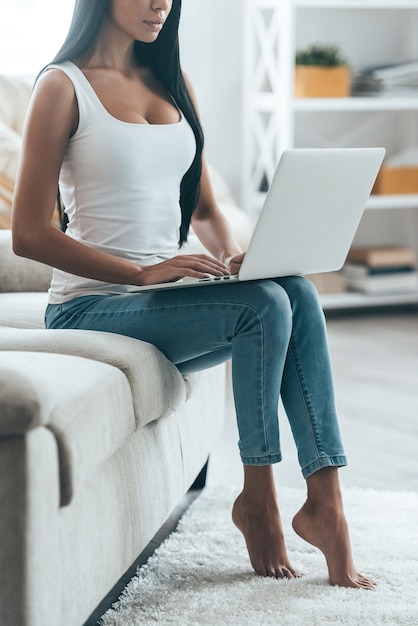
(113, 120)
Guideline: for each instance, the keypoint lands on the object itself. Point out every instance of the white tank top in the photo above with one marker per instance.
(120, 185)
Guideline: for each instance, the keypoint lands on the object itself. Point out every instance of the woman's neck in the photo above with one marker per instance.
(111, 50)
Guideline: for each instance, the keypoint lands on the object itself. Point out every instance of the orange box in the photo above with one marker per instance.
(396, 180)
(312, 81)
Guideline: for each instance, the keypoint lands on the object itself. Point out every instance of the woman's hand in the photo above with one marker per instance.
(193, 265)
(235, 263)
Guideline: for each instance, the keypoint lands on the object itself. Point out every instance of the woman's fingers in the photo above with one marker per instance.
(235, 263)
(194, 266)
(201, 263)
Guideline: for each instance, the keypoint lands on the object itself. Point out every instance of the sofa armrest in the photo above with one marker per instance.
(21, 405)
(85, 404)
(156, 384)
(42, 389)
(19, 274)
(30, 542)
(31, 389)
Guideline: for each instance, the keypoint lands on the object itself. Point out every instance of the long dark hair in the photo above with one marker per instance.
(163, 57)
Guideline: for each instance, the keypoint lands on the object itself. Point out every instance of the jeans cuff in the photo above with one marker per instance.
(261, 460)
(324, 461)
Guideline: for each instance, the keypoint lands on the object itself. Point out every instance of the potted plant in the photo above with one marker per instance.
(321, 72)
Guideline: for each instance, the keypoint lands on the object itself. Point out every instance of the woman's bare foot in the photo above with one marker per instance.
(256, 514)
(322, 523)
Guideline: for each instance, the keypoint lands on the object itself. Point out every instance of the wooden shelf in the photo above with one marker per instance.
(345, 4)
(354, 300)
(266, 101)
(379, 103)
(375, 203)
(394, 202)
(353, 4)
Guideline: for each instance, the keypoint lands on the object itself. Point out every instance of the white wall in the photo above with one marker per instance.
(211, 54)
(31, 31)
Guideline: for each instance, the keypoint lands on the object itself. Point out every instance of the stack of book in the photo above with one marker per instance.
(381, 270)
(389, 79)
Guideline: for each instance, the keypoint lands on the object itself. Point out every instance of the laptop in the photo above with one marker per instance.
(309, 218)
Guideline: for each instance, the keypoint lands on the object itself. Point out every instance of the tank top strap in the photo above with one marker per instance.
(89, 105)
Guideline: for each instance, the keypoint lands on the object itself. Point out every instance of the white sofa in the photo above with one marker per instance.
(100, 437)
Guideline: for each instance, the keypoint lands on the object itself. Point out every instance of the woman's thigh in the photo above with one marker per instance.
(189, 325)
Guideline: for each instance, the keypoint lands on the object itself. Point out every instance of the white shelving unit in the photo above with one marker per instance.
(368, 32)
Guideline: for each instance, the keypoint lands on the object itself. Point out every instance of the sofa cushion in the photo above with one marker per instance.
(87, 405)
(15, 94)
(23, 310)
(10, 148)
(19, 274)
(157, 386)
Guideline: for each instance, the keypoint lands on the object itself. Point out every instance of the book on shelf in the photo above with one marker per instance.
(381, 270)
(405, 72)
(387, 79)
(386, 284)
(383, 256)
(360, 270)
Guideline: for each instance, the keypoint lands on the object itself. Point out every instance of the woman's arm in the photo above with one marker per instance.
(208, 222)
(213, 229)
(51, 120)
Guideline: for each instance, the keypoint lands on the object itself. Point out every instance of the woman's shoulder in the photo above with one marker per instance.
(53, 82)
(54, 98)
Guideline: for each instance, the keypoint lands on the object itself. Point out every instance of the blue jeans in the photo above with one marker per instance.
(274, 331)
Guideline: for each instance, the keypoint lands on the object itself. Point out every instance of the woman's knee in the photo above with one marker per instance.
(270, 301)
(306, 306)
(300, 290)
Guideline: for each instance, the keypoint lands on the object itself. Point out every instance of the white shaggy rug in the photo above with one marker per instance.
(201, 576)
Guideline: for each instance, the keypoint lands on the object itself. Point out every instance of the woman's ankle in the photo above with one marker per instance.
(324, 490)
